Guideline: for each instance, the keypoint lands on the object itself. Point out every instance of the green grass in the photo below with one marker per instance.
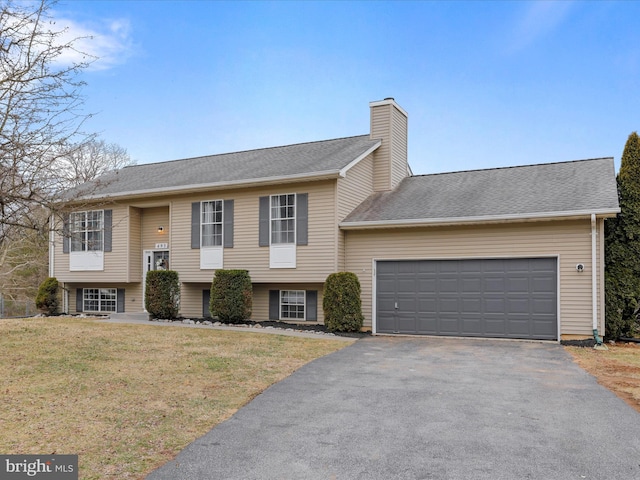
(127, 398)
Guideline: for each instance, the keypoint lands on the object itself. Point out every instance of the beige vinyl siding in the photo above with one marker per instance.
(314, 261)
(261, 298)
(152, 218)
(134, 273)
(398, 147)
(116, 262)
(389, 124)
(380, 129)
(133, 294)
(352, 190)
(191, 298)
(569, 240)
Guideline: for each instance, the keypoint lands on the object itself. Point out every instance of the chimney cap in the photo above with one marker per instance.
(390, 98)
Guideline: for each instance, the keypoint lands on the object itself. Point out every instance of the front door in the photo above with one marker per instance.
(153, 260)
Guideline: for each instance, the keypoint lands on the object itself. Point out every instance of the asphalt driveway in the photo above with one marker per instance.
(424, 408)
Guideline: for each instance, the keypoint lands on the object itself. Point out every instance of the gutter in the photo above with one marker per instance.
(424, 222)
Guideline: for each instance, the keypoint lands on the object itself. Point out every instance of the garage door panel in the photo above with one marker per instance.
(448, 325)
(406, 323)
(469, 305)
(495, 327)
(494, 284)
(405, 284)
(517, 284)
(542, 284)
(518, 306)
(448, 305)
(511, 298)
(494, 305)
(471, 284)
(541, 306)
(472, 324)
(448, 284)
(427, 326)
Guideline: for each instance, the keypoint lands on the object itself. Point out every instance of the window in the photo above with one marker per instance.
(211, 223)
(86, 230)
(292, 304)
(99, 299)
(283, 219)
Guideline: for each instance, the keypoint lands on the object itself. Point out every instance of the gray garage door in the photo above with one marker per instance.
(499, 298)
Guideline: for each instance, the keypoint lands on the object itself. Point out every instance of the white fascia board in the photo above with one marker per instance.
(344, 170)
(325, 175)
(419, 222)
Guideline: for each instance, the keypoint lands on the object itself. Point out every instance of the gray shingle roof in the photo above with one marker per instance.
(529, 191)
(304, 159)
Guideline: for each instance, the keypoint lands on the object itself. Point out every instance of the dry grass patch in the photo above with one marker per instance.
(127, 398)
(618, 369)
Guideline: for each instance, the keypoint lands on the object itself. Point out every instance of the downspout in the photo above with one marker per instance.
(52, 238)
(594, 282)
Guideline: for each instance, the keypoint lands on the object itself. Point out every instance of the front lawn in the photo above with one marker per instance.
(127, 398)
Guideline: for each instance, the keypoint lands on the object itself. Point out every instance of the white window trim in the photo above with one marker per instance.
(294, 218)
(214, 223)
(85, 241)
(304, 305)
(212, 256)
(112, 291)
(283, 255)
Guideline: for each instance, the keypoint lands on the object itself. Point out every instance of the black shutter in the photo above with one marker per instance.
(312, 305)
(227, 231)
(66, 239)
(263, 234)
(206, 298)
(302, 218)
(108, 223)
(274, 304)
(195, 225)
(79, 300)
(120, 300)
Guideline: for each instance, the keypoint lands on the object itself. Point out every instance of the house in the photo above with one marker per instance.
(507, 252)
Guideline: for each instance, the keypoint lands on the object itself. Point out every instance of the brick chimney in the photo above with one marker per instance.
(389, 123)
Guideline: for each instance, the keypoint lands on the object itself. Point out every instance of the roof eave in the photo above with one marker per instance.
(152, 192)
(427, 222)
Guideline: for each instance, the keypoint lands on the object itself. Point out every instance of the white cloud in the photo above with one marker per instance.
(106, 44)
(540, 18)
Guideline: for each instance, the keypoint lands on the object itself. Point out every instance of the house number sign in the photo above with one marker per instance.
(162, 245)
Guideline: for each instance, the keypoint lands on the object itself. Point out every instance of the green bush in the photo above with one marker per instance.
(231, 296)
(622, 249)
(341, 303)
(47, 298)
(162, 294)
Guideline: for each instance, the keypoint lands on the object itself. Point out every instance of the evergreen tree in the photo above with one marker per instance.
(622, 248)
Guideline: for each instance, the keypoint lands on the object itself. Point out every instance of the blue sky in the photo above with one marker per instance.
(486, 84)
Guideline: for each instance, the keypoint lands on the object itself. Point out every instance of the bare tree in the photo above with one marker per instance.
(92, 159)
(40, 117)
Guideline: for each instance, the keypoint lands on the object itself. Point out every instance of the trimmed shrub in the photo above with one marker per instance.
(162, 294)
(47, 298)
(231, 296)
(341, 303)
